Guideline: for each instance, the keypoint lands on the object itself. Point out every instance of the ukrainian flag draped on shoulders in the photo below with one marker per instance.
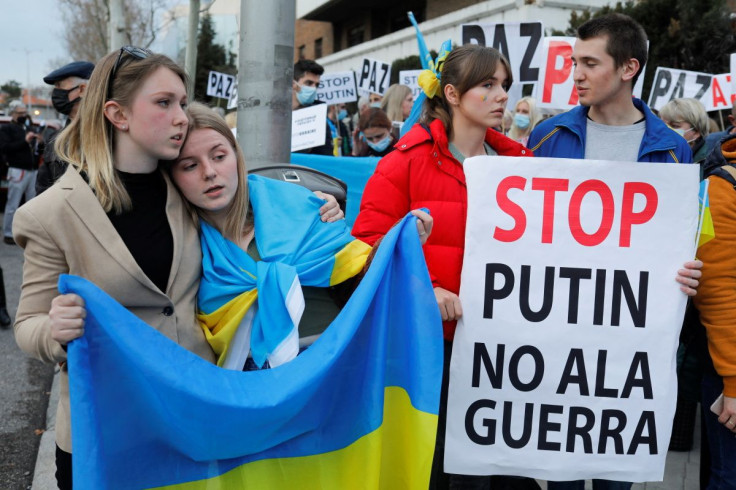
(296, 248)
(357, 410)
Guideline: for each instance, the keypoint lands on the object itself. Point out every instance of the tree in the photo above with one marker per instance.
(210, 57)
(13, 89)
(695, 36)
(411, 62)
(86, 34)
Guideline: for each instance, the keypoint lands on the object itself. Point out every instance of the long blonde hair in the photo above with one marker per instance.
(236, 219)
(392, 100)
(88, 142)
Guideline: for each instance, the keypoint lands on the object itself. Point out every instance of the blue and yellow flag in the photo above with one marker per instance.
(296, 248)
(358, 409)
(706, 231)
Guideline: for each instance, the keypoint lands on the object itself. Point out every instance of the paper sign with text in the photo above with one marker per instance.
(308, 127)
(232, 102)
(410, 78)
(337, 88)
(374, 77)
(520, 43)
(732, 65)
(563, 363)
(220, 84)
(669, 83)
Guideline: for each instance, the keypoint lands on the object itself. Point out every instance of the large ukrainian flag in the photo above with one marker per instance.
(358, 409)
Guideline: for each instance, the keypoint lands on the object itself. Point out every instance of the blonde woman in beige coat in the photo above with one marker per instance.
(113, 218)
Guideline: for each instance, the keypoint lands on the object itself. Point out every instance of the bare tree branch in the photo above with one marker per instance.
(86, 35)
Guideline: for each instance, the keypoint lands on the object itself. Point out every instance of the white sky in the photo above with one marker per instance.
(33, 27)
(31, 44)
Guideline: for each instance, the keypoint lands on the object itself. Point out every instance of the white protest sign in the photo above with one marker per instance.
(520, 43)
(670, 83)
(410, 78)
(733, 72)
(563, 363)
(232, 102)
(375, 76)
(720, 96)
(556, 89)
(308, 127)
(220, 84)
(337, 88)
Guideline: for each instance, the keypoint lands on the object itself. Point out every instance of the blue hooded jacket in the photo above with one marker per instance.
(563, 136)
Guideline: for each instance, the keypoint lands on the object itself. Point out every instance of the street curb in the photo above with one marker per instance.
(44, 476)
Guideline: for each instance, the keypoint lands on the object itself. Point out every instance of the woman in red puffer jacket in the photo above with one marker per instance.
(426, 170)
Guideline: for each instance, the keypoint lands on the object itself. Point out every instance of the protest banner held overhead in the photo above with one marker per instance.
(410, 78)
(220, 84)
(556, 89)
(563, 364)
(713, 91)
(374, 77)
(308, 127)
(337, 88)
(520, 43)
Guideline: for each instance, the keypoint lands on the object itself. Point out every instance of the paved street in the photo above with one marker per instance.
(24, 388)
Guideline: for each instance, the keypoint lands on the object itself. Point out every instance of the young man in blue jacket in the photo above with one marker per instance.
(609, 123)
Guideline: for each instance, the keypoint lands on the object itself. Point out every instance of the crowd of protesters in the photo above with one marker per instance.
(111, 196)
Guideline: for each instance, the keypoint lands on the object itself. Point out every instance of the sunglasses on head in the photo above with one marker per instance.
(135, 52)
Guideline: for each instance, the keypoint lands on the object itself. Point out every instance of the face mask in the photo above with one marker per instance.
(342, 114)
(683, 132)
(22, 120)
(377, 105)
(306, 95)
(61, 102)
(381, 145)
(522, 121)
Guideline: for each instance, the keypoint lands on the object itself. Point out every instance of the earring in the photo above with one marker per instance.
(124, 127)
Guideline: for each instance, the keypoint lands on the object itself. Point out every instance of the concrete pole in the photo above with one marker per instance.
(265, 72)
(190, 63)
(116, 25)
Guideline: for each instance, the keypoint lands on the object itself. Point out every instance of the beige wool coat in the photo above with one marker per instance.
(65, 230)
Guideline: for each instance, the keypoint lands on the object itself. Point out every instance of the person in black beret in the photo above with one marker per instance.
(70, 83)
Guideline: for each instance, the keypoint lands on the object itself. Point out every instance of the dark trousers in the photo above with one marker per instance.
(440, 480)
(63, 469)
(2, 289)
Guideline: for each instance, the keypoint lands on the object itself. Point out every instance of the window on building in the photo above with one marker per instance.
(356, 35)
(302, 52)
(318, 48)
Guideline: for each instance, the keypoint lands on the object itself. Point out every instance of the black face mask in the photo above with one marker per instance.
(61, 102)
(22, 120)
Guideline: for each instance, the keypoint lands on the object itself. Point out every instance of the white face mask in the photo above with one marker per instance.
(683, 132)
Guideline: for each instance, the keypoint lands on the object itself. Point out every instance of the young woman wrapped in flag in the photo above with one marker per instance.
(269, 262)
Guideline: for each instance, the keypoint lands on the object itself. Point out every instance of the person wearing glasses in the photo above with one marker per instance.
(115, 219)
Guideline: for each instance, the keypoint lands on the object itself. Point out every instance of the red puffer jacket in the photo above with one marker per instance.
(421, 172)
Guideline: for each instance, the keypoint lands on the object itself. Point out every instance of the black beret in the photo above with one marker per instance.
(81, 69)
